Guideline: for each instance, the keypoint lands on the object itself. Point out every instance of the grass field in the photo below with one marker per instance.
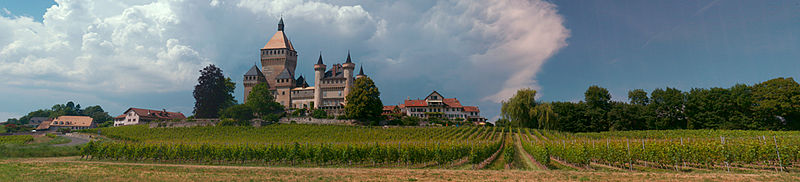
(73, 169)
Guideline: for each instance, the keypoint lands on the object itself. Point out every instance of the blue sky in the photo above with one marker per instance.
(121, 54)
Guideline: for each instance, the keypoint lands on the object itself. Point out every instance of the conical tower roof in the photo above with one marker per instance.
(279, 40)
(254, 71)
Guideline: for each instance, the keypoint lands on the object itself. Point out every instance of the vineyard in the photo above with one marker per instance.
(15, 139)
(454, 148)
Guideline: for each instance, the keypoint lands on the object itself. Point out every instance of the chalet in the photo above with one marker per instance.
(134, 116)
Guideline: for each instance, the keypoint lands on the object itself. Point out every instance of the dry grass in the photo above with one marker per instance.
(70, 169)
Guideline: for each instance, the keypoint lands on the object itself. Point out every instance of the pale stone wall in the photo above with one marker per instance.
(310, 120)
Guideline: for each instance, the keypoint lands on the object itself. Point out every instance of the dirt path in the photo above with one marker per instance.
(72, 169)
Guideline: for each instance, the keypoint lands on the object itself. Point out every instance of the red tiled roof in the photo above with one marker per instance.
(120, 116)
(471, 109)
(415, 103)
(452, 102)
(388, 108)
(156, 114)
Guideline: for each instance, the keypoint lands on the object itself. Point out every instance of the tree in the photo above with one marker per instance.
(545, 116)
(262, 102)
(570, 116)
(777, 104)
(519, 109)
(363, 101)
(638, 97)
(598, 101)
(410, 121)
(98, 115)
(239, 112)
(212, 93)
(668, 106)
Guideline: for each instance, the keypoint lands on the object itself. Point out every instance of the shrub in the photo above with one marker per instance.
(319, 113)
(232, 122)
(64, 130)
(50, 135)
(272, 117)
(239, 112)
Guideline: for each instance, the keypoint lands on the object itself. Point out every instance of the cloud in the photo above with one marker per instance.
(475, 50)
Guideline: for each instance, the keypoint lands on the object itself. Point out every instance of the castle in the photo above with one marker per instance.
(278, 62)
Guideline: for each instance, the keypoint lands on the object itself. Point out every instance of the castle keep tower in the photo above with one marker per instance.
(278, 55)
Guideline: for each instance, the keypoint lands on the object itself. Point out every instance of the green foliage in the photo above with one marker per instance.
(50, 135)
(272, 117)
(15, 139)
(262, 101)
(239, 112)
(299, 112)
(638, 97)
(410, 121)
(519, 109)
(364, 102)
(213, 93)
(2, 129)
(71, 109)
(319, 113)
(777, 104)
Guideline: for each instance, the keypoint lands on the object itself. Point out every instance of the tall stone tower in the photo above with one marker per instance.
(319, 72)
(278, 55)
(348, 67)
(251, 78)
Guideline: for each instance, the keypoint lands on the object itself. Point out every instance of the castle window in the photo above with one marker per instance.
(283, 93)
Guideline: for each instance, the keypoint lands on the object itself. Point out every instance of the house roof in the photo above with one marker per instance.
(415, 103)
(452, 102)
(120, 116)
(471, 109)
(254, 72)
(43, 126)
(279, 41)
(388, 108)
(73, 121)
(156, 114)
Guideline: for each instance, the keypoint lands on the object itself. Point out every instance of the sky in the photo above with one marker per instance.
(147, 53)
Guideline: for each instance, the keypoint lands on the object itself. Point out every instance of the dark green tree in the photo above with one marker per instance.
(363, 101)
(668, 107)
(638, 97)
(262, 102)
(777, 104)
(212, 93)
(598, 101)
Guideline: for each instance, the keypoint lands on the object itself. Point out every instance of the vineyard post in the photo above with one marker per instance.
(725, 154)
(683, 148)
(630, 160)
(643, 151)
(780, 163)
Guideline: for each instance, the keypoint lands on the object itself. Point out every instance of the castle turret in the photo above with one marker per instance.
(319, 72)
(360, 73)
(348, 67)
(251, 79)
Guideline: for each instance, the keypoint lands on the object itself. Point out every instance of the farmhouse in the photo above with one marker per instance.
(435, 105)
(134, 116)
(71, 122)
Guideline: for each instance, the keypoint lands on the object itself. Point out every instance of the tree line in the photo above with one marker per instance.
(769, 105)
(69, 109)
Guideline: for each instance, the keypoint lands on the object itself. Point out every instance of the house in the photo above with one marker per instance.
(71, 122)
(435, 105)
(134, 116)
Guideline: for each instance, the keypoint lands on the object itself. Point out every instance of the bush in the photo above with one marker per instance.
(50, 135)
(239, 112)
(64, 130)
(319, 114)
(300, 112)
(410, 121)
(272, 117)
(231, 122)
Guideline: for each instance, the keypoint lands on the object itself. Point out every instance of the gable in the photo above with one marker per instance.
(434, 96)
